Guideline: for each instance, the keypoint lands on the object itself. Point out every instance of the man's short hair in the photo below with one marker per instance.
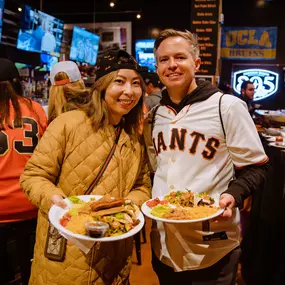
(244, 84)
(191, 38)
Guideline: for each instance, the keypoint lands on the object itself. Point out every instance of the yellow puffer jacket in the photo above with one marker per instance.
(65, 162)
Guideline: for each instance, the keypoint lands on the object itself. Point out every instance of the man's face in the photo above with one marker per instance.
(249, 91)
(175, 65)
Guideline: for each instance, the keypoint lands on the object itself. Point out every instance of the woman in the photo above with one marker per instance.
(22, 123)
(68, 159)
(67, 91)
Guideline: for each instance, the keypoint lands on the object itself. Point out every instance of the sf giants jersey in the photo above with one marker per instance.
(193, 153)
(16, 147)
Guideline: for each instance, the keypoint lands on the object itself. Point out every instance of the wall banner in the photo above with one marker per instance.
(251, 43)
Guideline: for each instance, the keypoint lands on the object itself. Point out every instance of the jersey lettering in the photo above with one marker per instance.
(177, 140)
(19, 145)
(197, 137)
(160, 142)
(212, 145)
(4, 143)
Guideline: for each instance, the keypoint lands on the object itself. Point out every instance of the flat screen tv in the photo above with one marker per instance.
(39, 32)
(2, 2)
(144, 54)
(84, 46)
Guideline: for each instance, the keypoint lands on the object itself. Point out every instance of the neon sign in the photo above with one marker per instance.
(264, 81)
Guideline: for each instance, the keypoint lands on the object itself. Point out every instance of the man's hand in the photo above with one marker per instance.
(58, 200)
(227, 201)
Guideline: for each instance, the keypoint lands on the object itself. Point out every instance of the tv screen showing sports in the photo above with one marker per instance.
(145, 55)
(39, 32)
(2, 2)
(84, 46)
(47, 62)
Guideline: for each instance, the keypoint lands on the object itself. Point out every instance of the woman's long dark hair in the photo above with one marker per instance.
(12, 91)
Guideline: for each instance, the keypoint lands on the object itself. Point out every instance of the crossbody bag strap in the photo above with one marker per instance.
(105, 164)
(220, 114)
(153, 118)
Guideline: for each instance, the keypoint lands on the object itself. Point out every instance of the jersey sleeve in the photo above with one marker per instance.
(242, 138)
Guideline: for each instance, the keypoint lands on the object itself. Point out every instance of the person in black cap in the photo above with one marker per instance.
(22, 123)
(153, 89)
(96, 150)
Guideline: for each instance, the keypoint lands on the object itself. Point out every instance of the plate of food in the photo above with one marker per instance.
(97, 218)
(277, 144)
(182, 207)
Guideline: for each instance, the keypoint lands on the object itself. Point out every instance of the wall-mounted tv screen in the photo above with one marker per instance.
(39, 32)
(84, 46)
(2, 2)
(144, 54)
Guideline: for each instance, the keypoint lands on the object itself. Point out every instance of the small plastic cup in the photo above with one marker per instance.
(96, 229)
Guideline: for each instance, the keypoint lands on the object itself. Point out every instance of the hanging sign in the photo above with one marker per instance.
(264, 81)
(251, 43)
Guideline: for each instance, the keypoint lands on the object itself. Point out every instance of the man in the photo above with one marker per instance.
(153, 89)
(247, 95)
(198, 149)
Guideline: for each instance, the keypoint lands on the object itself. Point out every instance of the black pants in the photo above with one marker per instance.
(222, 273)
(23, 234)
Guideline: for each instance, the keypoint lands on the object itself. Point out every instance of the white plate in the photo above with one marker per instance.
(146, 210)
(276, 145)
(271, 139)
(56, 213)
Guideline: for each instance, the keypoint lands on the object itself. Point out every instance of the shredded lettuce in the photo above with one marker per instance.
(74, 200)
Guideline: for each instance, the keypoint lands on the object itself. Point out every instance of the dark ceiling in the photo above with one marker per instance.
(155, 13)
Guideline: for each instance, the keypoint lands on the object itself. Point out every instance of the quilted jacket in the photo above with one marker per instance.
(65, 162)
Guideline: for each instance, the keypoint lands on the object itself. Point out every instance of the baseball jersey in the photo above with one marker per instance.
(193, 153)
(16, 147)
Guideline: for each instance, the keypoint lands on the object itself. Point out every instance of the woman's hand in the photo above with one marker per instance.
(58, 200)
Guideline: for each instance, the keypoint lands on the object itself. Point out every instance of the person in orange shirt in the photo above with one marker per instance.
(22, 123)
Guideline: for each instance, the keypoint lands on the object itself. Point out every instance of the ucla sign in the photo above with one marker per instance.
(251, 43)
(264, 81)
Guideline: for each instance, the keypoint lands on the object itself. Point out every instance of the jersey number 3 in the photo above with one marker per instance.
(19, 145)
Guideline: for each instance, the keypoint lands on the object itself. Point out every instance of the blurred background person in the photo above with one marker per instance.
(68, 159)
(67, 91)
(247, 95)
(226, 88)
(153, 89)
(22, 123)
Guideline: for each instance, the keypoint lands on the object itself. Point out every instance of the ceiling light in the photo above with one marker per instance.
(139, 16)
(112, 4)
(20, 9)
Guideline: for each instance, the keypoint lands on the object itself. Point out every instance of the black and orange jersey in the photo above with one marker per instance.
(16, 147)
